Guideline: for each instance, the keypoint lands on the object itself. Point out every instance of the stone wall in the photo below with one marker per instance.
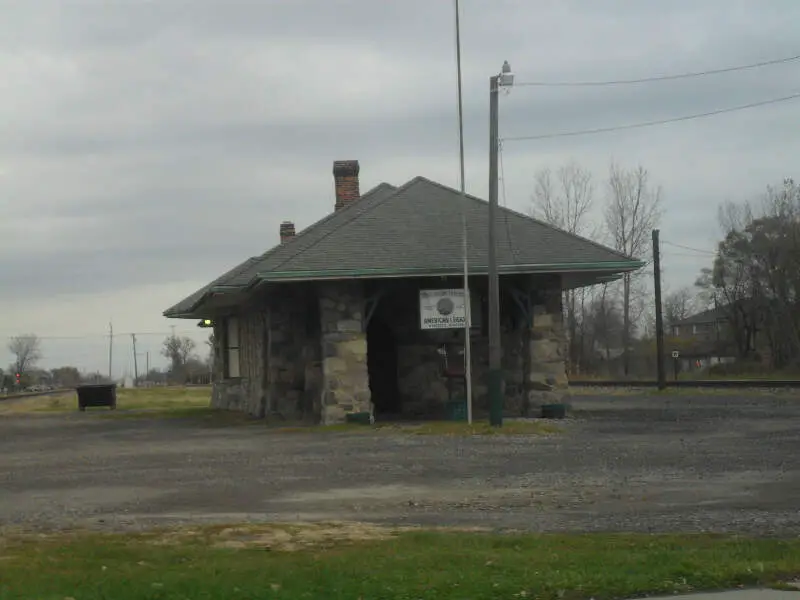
(297, 366)
(293, 358)
(547, 377)
(234, 394)
(243, 393)
(345, 380)
(424, 390)
(532, 354)
(279, 354)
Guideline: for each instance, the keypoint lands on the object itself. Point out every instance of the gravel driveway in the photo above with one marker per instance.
(625, 463)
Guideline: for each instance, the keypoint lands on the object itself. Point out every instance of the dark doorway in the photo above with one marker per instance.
(382, 367)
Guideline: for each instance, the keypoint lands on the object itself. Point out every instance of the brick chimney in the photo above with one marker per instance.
(286, 231)
(345, 176)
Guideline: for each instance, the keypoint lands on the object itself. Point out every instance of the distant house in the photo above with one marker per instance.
(704, 339)
(708, 325)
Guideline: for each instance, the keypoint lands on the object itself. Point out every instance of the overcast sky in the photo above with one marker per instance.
(147, 146)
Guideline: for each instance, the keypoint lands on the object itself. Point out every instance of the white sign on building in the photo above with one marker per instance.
(442, 309)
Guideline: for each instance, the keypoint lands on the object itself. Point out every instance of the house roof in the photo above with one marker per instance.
(415, 229)
(707, 316)
(725, 312)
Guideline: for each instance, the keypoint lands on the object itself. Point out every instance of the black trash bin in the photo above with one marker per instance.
(98, 394)
(554, 411)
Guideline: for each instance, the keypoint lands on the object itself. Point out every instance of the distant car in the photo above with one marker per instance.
(38, 387)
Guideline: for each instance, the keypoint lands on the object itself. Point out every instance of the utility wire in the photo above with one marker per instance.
(712, 113)
(505, 203)
(658, 77)
(103, 336)
(685, 255)
(689, 248)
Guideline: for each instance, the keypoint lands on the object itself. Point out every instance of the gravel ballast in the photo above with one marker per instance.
(682, 463)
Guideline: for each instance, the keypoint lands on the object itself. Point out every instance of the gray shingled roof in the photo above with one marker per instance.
(305, 238)
(416, 229)
(706, 316)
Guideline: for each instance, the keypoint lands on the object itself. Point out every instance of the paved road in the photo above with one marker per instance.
(704, 463)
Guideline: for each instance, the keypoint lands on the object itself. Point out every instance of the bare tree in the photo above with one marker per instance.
(603, 322)
(633, 210)
(565, 201)
(178, 349)
(678, 305)
(27, 351)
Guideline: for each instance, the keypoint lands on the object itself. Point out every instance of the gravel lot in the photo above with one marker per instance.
(712, 462)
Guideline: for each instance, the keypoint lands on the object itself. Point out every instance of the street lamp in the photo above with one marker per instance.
(504, 79)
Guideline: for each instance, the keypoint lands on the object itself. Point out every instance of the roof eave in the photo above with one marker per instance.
(328, 275)
(613, 270)
(190, 311)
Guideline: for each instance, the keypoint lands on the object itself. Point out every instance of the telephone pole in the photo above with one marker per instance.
(662, 377)
(135, 363)
(495, 375)
(110, 348)
(147, 362)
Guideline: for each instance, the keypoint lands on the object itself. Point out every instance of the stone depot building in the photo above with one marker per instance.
(337, 318)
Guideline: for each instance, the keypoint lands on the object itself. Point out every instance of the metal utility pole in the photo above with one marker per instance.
(135, 362)
(110, 348)
(662, 377)
(464, 244)
(147, 363)
(495, 374)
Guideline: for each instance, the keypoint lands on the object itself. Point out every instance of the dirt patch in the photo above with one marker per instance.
(301, 536)
(277, 537)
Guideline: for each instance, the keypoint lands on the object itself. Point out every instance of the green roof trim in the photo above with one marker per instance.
(329, 275)
(425, 272)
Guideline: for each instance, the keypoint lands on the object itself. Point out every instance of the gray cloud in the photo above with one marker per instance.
(157, 142)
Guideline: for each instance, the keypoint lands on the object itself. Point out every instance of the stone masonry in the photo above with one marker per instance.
(532, 356)
(345, 386)
(547, 377)
(292, 370)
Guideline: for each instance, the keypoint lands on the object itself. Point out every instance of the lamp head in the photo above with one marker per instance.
(506, 78)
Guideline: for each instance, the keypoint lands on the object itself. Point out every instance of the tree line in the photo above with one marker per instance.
(603, 321)
(185, 366)
(753, 279)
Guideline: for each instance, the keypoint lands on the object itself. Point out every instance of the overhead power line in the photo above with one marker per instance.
(720, 111)
(505, 202)
(698, 250)
(685, 255)
(657, 78)
(103, 336)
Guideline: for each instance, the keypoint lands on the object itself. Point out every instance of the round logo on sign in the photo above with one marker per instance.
(445, 306)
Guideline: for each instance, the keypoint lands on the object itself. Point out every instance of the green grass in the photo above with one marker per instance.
(193, 403)
(264, 562)
(172, 401)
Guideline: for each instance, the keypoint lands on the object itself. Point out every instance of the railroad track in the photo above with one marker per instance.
(34, 394)
(695, 383)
